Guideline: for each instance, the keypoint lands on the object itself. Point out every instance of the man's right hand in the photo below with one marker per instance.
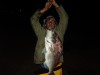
(47, 6)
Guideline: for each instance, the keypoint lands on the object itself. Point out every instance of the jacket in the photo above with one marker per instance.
(40, 32)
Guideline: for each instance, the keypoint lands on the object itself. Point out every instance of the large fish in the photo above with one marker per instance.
(53, 50)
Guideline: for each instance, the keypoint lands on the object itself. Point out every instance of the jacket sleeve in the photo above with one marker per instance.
(63, 22)
(35, 22)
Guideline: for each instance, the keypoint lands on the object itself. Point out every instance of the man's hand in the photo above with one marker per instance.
(54, 3)
(47, 6)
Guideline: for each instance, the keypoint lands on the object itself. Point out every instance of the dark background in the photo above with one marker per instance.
(17, 39)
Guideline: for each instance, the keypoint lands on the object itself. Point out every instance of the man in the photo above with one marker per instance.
(50, 23)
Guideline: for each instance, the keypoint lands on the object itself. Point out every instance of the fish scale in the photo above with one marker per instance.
(53, 50)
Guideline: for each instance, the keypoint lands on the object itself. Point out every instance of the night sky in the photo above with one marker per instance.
(17, 39)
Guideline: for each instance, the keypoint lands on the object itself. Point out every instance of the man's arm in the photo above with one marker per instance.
(63, 22)
(35, 22)
(36, 16)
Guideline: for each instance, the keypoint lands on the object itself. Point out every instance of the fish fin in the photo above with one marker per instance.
(45, 66)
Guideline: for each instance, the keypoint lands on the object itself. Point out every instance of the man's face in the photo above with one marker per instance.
(51, 23)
